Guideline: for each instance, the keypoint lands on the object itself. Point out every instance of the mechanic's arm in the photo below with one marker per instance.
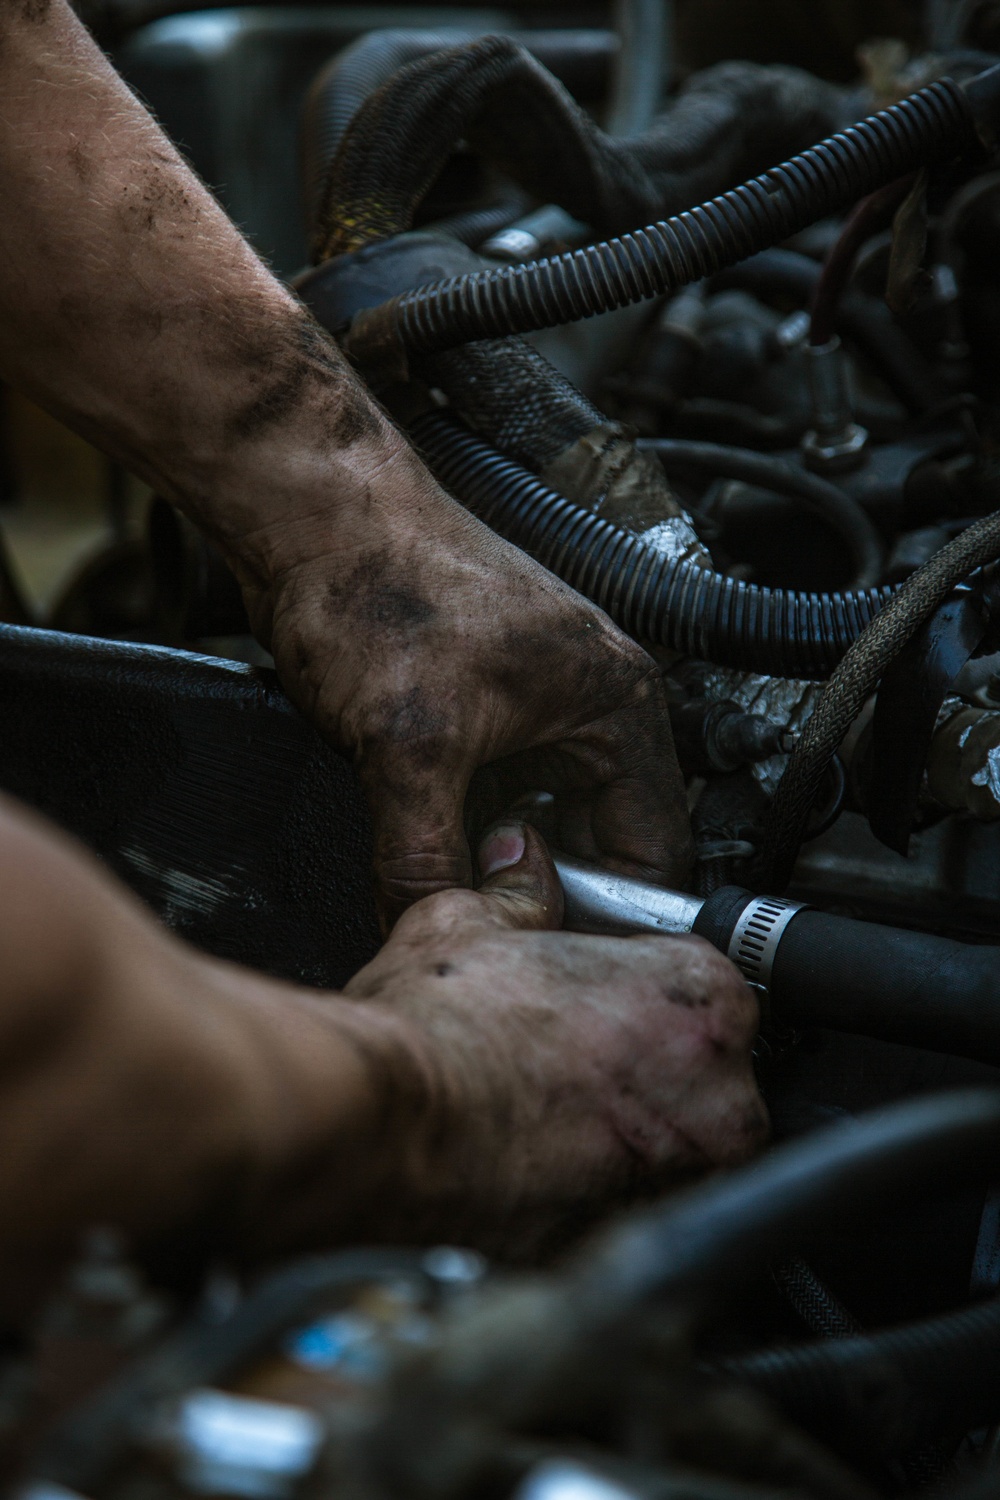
(482, 1079)
(131, 306)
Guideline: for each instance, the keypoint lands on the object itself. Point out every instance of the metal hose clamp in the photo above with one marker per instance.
(756, 936)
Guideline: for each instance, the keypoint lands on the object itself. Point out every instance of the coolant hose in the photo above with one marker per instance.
(572, 1332)
(819, 969)
(928, 126)
(885, 1391)
(668, 601)
(840, 511)
(813, 968)
(730, 1227)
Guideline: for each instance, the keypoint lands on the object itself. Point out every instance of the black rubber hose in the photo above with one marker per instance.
(928, 126)
(733, 1226)
(914, 988)
(840, 511)
(670, 602)
(885, 1391)
(909, 987)
(864, 321)
(686, 1252)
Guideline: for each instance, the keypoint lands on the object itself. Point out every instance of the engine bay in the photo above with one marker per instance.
(714, 340)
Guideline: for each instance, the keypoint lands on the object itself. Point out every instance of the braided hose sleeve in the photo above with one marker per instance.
(812, 1299)
(510, 394)
(853, 682)
(497, 95)
(840, 511)
(944, 1373)
(342, 86)
(930, 125)
(476, 225)
(665, 600)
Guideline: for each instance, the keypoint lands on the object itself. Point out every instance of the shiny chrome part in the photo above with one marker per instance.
(253, 1450)
(836, 442)
(757, 934)
(600, 901)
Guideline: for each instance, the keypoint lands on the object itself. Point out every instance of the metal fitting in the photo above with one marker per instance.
(597, 900)
(836, 442)
(756, 936)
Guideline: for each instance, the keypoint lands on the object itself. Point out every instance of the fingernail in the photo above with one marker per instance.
(501, 848)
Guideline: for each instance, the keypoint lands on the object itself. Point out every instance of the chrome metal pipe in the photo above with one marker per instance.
(600, 901)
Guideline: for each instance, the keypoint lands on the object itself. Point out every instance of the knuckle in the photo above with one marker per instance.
(441, 913)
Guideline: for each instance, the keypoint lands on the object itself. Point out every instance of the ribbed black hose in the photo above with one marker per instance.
(669, 602)
(928, 126)
(941, 1375)
(840, 511)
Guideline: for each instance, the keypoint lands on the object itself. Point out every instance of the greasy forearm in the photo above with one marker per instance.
(133, 307)
(146, 1087)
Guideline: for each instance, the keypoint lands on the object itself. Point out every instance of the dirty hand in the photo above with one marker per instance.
(482, 1079)
(430, 648)
(575, 1069)
(415, 638)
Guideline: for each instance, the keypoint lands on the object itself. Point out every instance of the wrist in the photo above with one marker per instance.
(294, 479)
(349, 1117)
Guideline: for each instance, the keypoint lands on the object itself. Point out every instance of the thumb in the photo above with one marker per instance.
(518, 878)
(420, 842)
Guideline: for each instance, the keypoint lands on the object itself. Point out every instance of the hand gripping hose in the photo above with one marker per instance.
(930, 125)
(668, 601)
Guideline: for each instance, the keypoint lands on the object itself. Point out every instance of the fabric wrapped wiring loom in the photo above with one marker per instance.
(668, 601)
(930, 125)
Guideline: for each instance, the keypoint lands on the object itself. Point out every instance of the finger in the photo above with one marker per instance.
(420, 843)
(518, 879)
(640, 827)
(639, 816)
